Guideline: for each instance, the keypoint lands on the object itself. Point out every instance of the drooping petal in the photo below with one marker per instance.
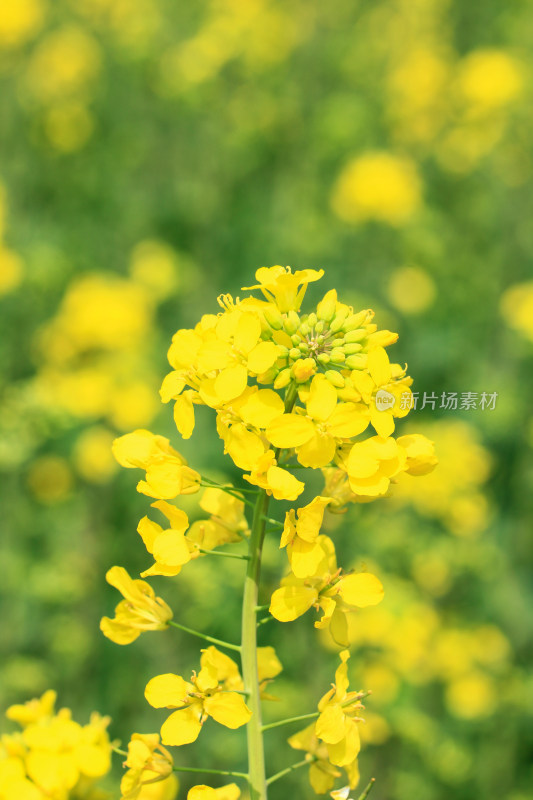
(290, 602)
(322, 398)
(330, 724)
(184, 414)
(172, 386)
(305, 557)
(170, 549)
(244, 447)
(228, 708)
(361, 590)
(310, 518)
(283, 485)
(182, 727)
(379, 366)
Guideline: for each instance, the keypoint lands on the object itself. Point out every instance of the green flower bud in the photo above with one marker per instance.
(337, 356)
(357, 361)
(273, 317)
(296, 339)
(335, 378)
(320, 339)
(356, 335)
(312, 320)
(303, 347)
(326, 308)
(323, 358)
(355, 320)
(305, 329)
(319, 327)
(292, 323)
(283, 379)
(338, 320)
(350, 349)
(294, 353)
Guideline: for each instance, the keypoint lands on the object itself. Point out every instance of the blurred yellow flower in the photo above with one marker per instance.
(377, 186)
(11, 269)
(92, 454)
(411, 290)
(472, 696)
(416, 87)
(453, 491)
(20, 20)
(64, 63)
(98, 311)
(50, 479)
(516, 308)
(155, 265)
(68, 126)
(54, 756)
(489, 79)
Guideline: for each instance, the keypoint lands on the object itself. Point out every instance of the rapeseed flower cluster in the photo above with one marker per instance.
(290, 390)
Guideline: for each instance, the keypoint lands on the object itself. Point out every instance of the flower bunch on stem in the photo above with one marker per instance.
(290, 391)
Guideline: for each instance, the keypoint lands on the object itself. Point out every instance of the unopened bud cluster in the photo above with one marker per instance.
(332, 340)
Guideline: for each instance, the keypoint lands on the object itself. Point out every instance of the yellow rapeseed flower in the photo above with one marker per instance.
(140, 610)
(300, 537)
(329, 590)
(170, 547)
(284, 288)
(322, 773)
(202, 792)
(337, 724)
(226, 524)
(210, 693)
(167, 473)
(148, 763)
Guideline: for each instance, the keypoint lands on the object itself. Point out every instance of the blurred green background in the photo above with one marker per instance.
(153, 155)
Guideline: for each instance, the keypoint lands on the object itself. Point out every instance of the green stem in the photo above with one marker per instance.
(212, 771)
(211, 639)
(283, 772)
(256, 753)
(289, 720)
(367, 790)
(256, 756)
(242, 556)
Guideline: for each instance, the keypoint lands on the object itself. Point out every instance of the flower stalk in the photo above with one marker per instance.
(256, 755)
